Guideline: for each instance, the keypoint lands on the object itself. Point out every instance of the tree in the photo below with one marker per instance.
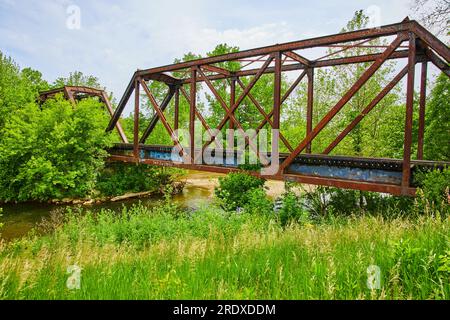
(434, 14)
(437, 129)
(16, 88)
(35, 82)
(77, 78)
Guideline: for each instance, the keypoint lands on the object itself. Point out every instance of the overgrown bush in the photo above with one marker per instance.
(292, 209)
(53, 152)
(119, 178)
(323, 201)
(433, 191)
(234, 190)
(258, 202)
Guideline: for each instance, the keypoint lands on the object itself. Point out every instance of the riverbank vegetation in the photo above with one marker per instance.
(170, 253)
(57, 151)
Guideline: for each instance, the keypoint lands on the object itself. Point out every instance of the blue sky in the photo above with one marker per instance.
(117, 37)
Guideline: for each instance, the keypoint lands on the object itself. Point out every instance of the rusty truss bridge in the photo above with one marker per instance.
(409, 41)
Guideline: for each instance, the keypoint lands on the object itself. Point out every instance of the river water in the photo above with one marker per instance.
(19, 219)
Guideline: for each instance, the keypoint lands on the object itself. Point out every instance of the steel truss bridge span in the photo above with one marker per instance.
(408, 41)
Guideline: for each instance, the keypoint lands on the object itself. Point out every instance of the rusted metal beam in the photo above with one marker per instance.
(276, 107)
(444, 67)
(200, 117)
(136, 121)
(371, 33)
(227, 110)
(310, 105)
(192, 108)
(155, 118)
(366, 110)
(431, 40)
(267, 118)
(216, 69)
(422, 103)
(343, 101)
(241, 98)
(166, 124)
(406, 171)
(162, 77)
(293, 86)
(176, 116)
(122, 103)
(230, 138)
(400, 54)
(343, 49)
(285, 96)
(162, 117)
(295, 56)
(105, 99)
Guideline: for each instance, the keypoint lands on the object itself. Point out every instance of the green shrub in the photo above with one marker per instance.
(234, 189)
(118, 178)
(292, 210)
(433, 191)
(53, 152)
(258, 203)
(323, 201)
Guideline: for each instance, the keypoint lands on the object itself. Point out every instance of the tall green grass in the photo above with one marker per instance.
(165, 253)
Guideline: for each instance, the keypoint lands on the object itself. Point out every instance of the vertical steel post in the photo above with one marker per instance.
(136, 121)
(409, 115)
(192, 112)
(177, 109)
(309, 110)
(230, 141)
(422, 102)
(276, 106)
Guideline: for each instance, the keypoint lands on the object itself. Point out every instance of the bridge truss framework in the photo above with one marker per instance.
(409, 41)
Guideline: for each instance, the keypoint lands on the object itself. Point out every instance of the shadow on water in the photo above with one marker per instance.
(19, 219)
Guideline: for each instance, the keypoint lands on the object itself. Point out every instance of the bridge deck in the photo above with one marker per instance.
(370, 174)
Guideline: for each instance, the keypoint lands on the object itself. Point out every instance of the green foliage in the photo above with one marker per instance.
(77, 78)
(17, 88)
(55, 152)
(211, 254)
(258, 203)
(433, 193)
(437, 133)
(322, 202)
(445, 263)
(292, 210)
(141, 226)
(118, 178)
(234, 189)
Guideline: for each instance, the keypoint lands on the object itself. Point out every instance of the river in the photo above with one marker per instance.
(19, 219)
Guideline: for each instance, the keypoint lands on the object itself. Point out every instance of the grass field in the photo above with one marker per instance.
(168, 254)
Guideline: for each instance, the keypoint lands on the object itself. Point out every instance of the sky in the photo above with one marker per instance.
(112, 39)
